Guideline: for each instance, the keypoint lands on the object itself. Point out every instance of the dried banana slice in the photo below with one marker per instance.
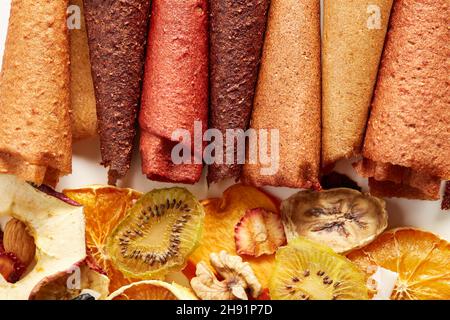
(343, 219)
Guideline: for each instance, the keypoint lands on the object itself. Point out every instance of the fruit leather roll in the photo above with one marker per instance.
(353, 40)
(175, 90)
(117, 32)
(236, 37)
(408, 135)
(35, 130)
(84, 115)
(288, 95)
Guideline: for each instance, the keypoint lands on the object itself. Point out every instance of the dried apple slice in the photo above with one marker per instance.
(70, 284)
(343, 219)
(57, 228)
(259, 232)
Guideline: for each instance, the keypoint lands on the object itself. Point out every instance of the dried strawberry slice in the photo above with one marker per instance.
(259, 232)
(10, 267)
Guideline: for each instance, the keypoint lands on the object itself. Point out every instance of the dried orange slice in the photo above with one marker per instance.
(104, 208)
(153, 290)
(420, 258)
(221, 217)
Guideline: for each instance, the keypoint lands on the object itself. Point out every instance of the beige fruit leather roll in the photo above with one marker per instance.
(407, 144)
(84, 114)
(288, 94)
(353, 38)
(35, 129)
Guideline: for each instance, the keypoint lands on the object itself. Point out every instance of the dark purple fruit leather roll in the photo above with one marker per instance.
(117, 33)
(237, 29)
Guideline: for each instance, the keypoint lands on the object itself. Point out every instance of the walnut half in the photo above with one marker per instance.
(238, 278)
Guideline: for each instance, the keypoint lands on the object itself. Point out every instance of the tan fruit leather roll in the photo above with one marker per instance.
(35, 129)
(84, 115)
(407, 145)
(288, 94)
(351, 50)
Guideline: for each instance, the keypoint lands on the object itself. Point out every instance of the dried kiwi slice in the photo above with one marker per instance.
(305, 270)
(158, 234)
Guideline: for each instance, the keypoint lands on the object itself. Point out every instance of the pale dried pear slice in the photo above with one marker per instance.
(343, 219)
(179, 292)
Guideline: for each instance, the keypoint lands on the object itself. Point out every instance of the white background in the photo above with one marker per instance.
(86, 171)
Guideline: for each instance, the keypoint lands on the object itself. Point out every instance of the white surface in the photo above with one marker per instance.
(86, 170)
(385, 283)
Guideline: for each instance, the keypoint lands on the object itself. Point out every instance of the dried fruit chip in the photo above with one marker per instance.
(11, 268)
(57, 227)
(343, 219)
(259, 232)
(159, 233)
(306, 270)
(420, 258)
(104, 208)
(153, 290)
(222, 215)
(70, 284)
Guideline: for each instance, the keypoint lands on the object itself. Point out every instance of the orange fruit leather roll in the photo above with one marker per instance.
(175, 89)
(83, 105)
(407, 144)
(288, 96)
(35, 128)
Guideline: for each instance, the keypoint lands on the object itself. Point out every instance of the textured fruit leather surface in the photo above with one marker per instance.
(175, 91)
(117, 32)
(37, 145)
(237, 31)
(411, 104)
(290, 101)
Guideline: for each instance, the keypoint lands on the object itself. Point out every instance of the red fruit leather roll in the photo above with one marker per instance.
(117, 33)
(237, 30)
(175, 90)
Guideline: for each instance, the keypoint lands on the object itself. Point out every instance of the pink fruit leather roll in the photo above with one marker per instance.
(175, 89)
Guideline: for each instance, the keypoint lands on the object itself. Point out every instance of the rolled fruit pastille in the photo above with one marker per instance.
(288, 94)
(175, 90)
(353, 40)
(117, 33)
(236, 37)
(84, 114)
(35, 129)
(407, 145)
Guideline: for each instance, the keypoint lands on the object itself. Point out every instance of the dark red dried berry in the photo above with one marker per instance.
(2, 248)
(11, 268)
(338, 180)
(446, 199)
